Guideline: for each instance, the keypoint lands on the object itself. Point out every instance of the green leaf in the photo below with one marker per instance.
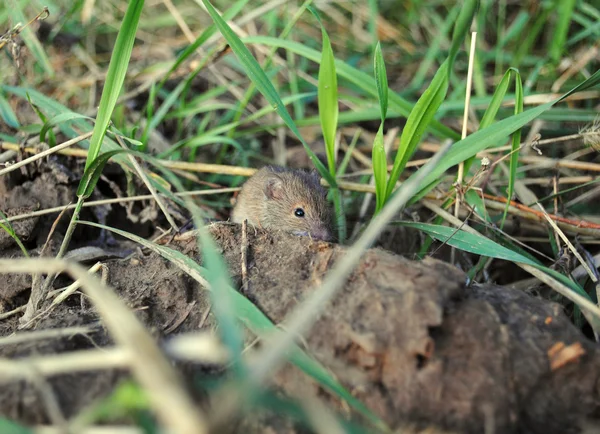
(93, 171)
(264, 85)
(480, 245)
(476, 202)
(7, 227)
(223, 305)
(381, 81)
(468, 242)
(417, 123)
(328, 99)
(463, 24)
(162, 112)
(564, 12)
(7, 113)
(10, 427)
(492, 110)
(51, 108)
(494, 135)
(379, 168)
(115, 76)
(58, 119)
(496, 102)
(355, 76)
(423, 112)
(516, 143)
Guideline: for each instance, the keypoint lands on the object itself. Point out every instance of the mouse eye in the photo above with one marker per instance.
(299, 212)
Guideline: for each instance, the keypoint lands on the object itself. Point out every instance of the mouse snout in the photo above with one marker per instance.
(321, 233)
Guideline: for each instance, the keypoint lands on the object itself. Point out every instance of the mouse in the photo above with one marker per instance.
(291, 200)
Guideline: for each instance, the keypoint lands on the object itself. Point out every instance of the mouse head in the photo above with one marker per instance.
(297, 203)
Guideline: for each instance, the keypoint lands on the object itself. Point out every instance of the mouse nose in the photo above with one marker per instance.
(322, 234)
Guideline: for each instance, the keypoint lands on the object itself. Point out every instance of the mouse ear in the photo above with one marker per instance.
(274, 188)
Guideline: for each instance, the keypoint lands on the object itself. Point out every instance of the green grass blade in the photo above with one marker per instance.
(433, 52)
(417, 122)
(492, 110)
(93, 171)
(496, 102)
(379, 169)
(379, 157)
(381, 81)
(533, 32)
(58, 119)
(516, 143)
(7, 114)
(480, 245)
(115, 76)
(159, 116)
(423, 112)
(10, 427)
(7, 227)
(494, 135)
(221, 293)
(593, 81)
(463, 24)
(468, 242)
(564, 12)
(263, 84)
(328, 97)
(251, 317)
(268, 60)
(516, 29)
(357, 77)
(51, 108)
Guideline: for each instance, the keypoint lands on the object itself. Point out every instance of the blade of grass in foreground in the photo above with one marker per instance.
(221, 293)
(252, 318)
(305, 315)
(9, 427)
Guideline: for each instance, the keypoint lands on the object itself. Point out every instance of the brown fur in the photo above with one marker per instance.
(270, 197)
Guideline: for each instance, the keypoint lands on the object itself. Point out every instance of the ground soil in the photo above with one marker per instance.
(408, 339)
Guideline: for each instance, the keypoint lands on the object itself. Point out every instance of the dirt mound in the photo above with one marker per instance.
(408, 339)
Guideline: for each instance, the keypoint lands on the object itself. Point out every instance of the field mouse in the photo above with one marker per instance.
(291, 200)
